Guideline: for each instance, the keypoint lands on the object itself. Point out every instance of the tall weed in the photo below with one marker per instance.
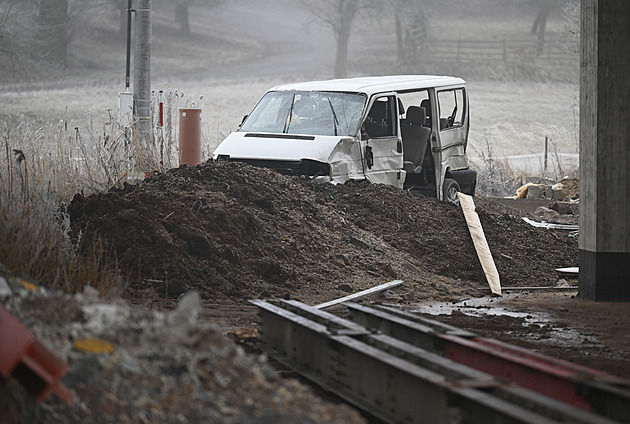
(40, 170)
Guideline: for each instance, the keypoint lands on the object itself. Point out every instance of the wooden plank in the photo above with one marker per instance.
(357, 295)
(552, 226)
(480, 242)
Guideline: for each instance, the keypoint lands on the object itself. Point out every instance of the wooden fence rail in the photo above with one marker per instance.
(508, 51)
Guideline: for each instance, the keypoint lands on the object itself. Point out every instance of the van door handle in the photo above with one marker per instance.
(369, 157)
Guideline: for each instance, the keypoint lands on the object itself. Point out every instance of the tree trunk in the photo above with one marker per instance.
(542, 24)
(341, 61)
(181, 16)
(53, 21)
(541, 18)
(347, 11)
(399, 40)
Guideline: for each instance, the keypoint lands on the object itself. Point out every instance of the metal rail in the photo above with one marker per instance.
(396, 368)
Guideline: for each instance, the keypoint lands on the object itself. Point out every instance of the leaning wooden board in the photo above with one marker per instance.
(480, 242)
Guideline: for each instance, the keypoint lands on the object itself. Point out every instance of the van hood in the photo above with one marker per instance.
(277, 147)
(340, 155)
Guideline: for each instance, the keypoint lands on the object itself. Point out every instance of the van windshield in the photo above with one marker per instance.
(307, 113)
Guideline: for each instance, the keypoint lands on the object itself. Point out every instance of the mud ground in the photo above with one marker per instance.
(556, 323)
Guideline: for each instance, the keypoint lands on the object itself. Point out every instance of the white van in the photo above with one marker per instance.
(409, 131)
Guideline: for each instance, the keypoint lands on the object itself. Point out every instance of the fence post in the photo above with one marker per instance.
(546, 150)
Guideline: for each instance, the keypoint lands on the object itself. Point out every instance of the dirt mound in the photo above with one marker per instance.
(235, 232)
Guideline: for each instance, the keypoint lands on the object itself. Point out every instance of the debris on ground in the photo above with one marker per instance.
(150, 366)
(567, 189)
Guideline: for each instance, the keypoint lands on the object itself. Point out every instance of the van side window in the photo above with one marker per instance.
(451, 105)
(415, 98)
(382, 118)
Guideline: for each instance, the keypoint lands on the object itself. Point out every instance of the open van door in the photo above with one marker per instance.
(381, 145)
(449, 152)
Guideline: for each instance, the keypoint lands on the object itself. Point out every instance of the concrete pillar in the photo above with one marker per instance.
(605, 150)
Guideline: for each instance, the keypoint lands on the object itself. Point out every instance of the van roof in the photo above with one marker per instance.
(373, 85)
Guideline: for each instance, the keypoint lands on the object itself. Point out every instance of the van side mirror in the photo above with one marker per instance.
(399, 146)
(243, 120)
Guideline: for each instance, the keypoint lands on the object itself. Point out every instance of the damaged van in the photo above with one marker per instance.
(409, 131)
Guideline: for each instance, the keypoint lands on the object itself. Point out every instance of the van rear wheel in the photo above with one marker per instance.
(450, 190)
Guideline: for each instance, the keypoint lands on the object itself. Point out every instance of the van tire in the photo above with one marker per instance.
(450, 190)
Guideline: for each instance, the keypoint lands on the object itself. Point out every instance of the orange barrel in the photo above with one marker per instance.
(190, 136)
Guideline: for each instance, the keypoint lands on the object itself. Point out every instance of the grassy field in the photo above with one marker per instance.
(514, 117)
(510, 116)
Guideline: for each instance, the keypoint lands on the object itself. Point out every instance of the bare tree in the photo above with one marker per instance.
(21, 39)
(53, 21)
(540, 23)
(411, 28)
(339, 15)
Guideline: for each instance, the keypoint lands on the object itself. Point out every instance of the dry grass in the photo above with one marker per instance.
(40, 170)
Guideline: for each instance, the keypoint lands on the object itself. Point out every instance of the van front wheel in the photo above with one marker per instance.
(450, 190)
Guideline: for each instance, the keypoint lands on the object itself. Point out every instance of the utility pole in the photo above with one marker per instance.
(142, 66)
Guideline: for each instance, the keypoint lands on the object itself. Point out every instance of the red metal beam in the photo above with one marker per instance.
(552, 377)
(25, 358)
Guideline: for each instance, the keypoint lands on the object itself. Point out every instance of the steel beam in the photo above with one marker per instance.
(395, 380)
(579, 386)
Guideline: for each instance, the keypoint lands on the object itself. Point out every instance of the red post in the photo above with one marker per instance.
(161, 102)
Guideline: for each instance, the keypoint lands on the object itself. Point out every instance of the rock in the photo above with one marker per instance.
(356, 241)
(187, 310)
(411, 268)
(563, 283)
(539, 191)
(390, 296)
(558, 191)
(345, 258)
(442, 288)
(546, 213)
(566, 208)
(5, 290)
(101, 316)
(348, 288)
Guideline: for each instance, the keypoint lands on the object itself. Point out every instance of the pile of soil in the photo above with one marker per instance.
(233, 232)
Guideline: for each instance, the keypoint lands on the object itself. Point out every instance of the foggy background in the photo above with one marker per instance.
(63, 61)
